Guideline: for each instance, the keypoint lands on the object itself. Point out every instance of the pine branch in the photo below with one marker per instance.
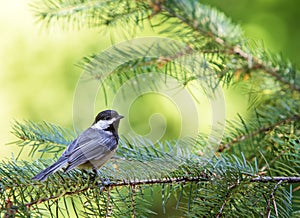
(44, 136)
(154, 55)
(229, 38)
(259, 64)
(276, 179)
(119, 184)
(182, 180)
(90, 13)
(200, 24)
(261, 130)
(187, 170)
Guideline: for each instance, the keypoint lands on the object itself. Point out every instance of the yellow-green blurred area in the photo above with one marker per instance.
(38, 72)
(274, 23)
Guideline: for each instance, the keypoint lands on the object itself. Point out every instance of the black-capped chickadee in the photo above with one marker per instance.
(92, 148)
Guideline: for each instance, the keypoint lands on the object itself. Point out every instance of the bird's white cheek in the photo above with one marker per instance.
(103, 124)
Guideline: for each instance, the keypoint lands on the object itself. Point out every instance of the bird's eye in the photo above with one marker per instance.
(107, 118)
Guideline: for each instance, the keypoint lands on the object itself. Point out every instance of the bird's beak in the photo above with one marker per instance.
(120, 117)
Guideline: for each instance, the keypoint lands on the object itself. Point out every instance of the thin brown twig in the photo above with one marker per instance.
(121, 183)
(226, 199)
(272, 197)
(258, 64)
(264, 179)
(243, 137)
(133, 200)
(108, 211)
(267, 179)
(267, 165)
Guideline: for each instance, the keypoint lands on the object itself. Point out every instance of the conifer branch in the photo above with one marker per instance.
(258, 64)
(232, 49)
(131, 183)
(157, 62)
(181, 180)
(253, 133)
(193, 25)
(267, 179)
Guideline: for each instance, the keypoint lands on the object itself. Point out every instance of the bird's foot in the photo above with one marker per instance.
(104, 182)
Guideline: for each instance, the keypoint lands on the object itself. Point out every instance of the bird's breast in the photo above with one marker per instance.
(97, 162)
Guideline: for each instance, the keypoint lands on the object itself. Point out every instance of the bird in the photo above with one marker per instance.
(91, 149)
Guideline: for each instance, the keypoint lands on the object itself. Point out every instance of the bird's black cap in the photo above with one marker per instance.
(107, 115)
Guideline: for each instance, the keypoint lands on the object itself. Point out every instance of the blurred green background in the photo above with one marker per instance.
(38, 73)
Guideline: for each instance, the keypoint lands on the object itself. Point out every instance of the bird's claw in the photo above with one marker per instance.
(105, 182)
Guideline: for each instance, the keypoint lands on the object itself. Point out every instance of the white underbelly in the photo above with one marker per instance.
(97, 162)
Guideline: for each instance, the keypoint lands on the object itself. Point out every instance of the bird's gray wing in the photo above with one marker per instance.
(70, 147)
(92, 145)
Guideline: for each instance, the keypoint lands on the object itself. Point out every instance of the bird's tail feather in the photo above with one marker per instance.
(50, 170)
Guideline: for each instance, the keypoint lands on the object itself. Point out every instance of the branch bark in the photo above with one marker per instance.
(263, 129)
(264, 179)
